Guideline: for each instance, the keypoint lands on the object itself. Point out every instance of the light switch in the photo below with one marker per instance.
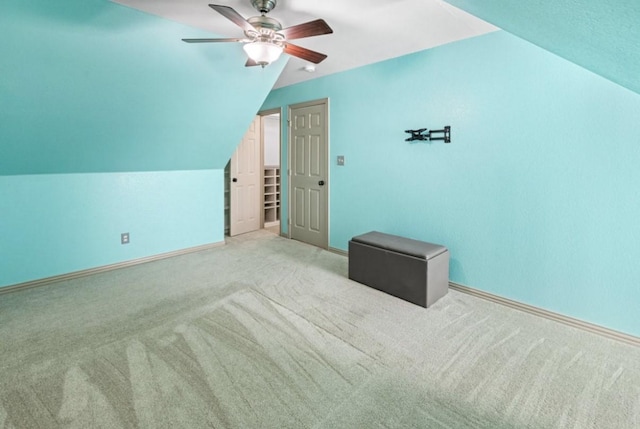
(340, 159)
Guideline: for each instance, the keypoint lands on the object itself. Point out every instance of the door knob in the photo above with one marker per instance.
(321, 183)
(234, 180)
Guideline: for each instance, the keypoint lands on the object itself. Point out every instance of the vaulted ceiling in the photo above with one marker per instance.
(600, 36)
(97, 76)
(90, 86)
(365, 31)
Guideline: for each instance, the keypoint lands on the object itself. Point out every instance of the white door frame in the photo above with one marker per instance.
(325, 103)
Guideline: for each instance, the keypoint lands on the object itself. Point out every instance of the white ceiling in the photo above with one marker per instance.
(364, 31)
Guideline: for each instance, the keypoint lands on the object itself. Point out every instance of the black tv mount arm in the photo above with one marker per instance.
(424, 134)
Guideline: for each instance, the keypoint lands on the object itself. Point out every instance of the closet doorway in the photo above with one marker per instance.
(271, 179)
(252, 178)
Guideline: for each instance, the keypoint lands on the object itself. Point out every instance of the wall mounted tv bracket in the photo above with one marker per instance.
(424, 134)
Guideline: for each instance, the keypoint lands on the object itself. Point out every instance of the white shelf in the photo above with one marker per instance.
(271, 196)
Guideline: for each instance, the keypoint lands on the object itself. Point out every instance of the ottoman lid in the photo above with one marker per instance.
(407, 246)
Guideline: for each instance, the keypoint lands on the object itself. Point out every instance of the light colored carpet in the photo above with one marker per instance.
(269, 333)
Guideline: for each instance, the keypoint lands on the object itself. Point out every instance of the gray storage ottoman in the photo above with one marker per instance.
(413, 270)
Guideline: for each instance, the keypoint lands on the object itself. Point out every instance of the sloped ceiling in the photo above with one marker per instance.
(364, 31)
(92, 86)
(601, 36)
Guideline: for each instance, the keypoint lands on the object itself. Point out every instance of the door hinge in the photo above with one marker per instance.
(288, 123)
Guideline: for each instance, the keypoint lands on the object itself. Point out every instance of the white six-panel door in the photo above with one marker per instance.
(308, 163)
(245, 183)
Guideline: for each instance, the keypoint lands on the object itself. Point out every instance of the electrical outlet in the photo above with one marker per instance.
(124, 238)
(340, 159)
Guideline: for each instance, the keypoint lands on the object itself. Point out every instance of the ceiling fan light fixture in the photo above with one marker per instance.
(263, 53)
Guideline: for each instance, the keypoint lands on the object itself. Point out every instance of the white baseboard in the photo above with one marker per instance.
(104, 268)
(576, 323)
(338, 251)
(570, 321)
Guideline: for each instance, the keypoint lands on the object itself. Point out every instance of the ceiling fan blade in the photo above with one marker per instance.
(233, 16)
(304, 53)
(308, 29)
(213, 40)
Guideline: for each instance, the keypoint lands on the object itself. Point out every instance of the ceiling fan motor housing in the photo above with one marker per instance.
(264, 6)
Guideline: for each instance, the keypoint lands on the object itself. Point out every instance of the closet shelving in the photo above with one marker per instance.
(271, 194)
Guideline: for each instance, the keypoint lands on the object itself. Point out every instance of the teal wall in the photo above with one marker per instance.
(536, 197)
(602, 36)
(109, 123)
(60, 223)
(93, 86)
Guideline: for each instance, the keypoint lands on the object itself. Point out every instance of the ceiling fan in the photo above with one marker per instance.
(265, 39)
